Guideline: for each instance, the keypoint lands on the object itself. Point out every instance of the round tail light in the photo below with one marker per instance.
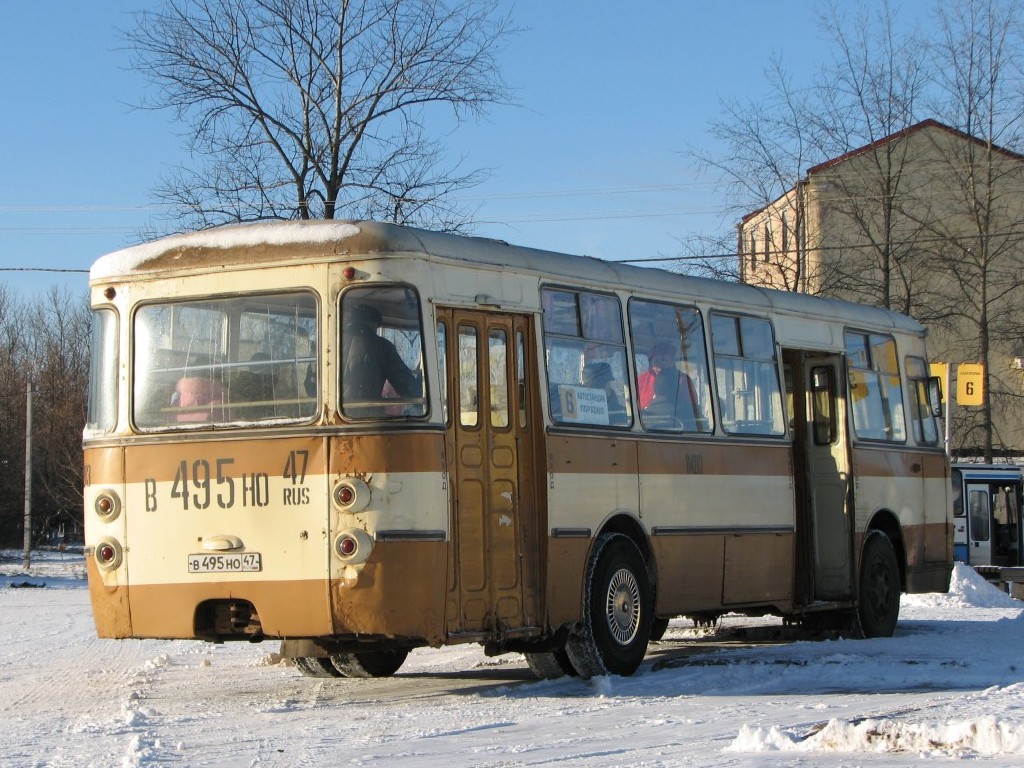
(353, 546)
(107, 505)
(351, 494)
(109, 554)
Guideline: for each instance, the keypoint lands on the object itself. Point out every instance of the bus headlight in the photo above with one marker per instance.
(109, 553)
(353, 546)
(351, 494)
(107, 505)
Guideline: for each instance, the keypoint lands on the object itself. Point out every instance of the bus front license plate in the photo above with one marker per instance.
(242, 562)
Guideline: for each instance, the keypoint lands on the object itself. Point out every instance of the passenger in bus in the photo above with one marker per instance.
(370, 362)
(199, 398)
(660, 358)
(666, 394)
(599, 375)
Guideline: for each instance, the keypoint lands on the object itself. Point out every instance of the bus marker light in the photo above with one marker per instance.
(108, 554)
(107, 505)
(353, 546)
(351, 494)
(347, 546)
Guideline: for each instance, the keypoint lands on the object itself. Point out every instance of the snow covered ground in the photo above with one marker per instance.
(949, 686)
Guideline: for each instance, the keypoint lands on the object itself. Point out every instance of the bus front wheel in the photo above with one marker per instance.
(879, 607)
(613, 634)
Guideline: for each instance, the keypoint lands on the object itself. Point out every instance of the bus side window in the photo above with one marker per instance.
(672, 379)
(585, 357)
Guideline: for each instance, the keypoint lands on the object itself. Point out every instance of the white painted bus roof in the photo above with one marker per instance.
(321, 240)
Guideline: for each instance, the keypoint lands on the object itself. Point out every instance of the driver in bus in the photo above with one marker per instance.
(372, 365)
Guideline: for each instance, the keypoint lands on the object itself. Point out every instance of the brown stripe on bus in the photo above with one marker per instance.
(891, 461)
(596, 455)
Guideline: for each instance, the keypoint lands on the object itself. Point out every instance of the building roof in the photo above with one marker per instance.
(924, 125)
(906, 132)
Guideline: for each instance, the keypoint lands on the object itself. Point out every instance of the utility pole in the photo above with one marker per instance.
(28, 476)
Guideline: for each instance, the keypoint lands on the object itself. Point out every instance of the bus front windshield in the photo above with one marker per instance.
(226, 361)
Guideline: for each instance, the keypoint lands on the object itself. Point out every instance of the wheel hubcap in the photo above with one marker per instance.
(623, 607)
(883, 591)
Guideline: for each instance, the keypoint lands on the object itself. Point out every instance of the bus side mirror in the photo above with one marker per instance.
(935, 395)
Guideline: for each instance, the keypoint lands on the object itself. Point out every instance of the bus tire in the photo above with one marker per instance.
(315, 666)
(550, 665)
(369, 663)
(878, 609)
(615, 628)
(658, 629)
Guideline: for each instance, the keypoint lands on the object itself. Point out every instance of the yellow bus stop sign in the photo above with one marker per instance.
(970, 383)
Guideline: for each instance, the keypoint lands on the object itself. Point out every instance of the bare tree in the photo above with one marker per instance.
(868, 91)
(45, 341)
(933, 231)
(317, 108)
(973, 222)
(57, 347)
(13, 378)
(869, 94)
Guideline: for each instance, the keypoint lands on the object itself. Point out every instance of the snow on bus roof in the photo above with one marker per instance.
(369, 237)
(127, 260)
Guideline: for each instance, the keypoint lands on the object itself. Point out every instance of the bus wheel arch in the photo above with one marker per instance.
(631, 528)
(878, 603)
(614, 630)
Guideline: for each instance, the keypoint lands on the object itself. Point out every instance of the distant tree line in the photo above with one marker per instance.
(43, 340)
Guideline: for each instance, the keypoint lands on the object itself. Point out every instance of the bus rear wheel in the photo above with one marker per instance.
(316, 666)
(879, 606)
(617, 611)
(550, 665)
(369, 663)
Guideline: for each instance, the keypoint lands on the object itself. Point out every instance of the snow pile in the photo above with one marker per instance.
(966, 588)
(970, 651)
(971, 738)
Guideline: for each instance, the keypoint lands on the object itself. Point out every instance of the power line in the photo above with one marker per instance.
(42, 269)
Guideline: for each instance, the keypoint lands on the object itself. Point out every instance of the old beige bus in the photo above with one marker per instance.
(360, 438)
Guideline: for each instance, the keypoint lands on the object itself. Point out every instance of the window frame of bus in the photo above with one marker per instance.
(224, 367)
(918, 377)
(554, 329)
(104, 361)
(703, 424)
(424, 397)
(861, 430)
(779, 427)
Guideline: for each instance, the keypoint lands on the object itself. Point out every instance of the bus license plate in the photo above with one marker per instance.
(242, 562)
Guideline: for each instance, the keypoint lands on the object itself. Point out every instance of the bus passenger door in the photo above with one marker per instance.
(979, 523)
(494, 570)
(828, 478)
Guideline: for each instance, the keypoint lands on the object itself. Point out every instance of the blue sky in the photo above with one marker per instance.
(588, 162)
